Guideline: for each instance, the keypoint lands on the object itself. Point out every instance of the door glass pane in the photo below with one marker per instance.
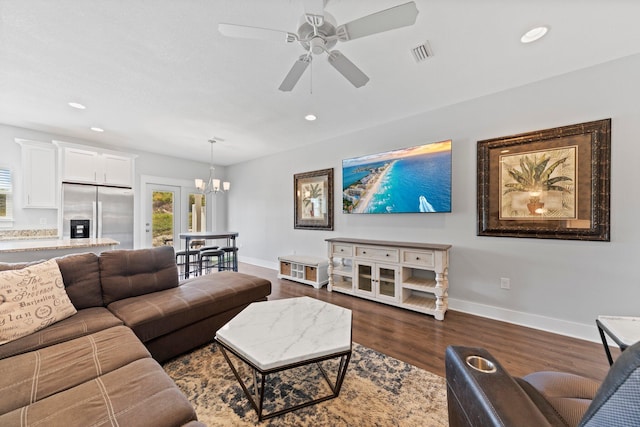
(387, 282)
(197, 212)
(364, 278)
(162, 218)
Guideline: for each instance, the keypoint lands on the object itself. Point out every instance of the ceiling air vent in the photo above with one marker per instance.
(422, 52)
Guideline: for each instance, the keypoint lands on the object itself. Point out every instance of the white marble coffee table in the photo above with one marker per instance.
(274, 336)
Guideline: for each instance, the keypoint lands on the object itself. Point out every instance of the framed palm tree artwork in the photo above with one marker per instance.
(313, 200)
(553, 183)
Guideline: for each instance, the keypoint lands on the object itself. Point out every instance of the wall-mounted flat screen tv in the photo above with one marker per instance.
(409, 180)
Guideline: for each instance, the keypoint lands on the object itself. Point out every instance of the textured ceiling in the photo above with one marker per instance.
(158, 76)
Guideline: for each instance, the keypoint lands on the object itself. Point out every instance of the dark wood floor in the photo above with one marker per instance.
(421, 340)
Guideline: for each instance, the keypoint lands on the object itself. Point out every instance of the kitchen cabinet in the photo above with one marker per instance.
(88, 165)
(39, 181)
(410, 275)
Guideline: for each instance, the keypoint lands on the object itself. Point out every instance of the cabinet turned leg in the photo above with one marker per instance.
(330, 274)
(442, 284)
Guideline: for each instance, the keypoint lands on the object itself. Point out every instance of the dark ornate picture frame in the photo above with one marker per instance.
(313, 200)
(550, 184)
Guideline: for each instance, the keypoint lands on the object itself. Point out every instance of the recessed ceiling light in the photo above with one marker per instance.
(310, 117)
(96, 129)
(77, 105)
(534, 34)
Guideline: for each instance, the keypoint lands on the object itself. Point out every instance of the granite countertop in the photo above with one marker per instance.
(53, 244)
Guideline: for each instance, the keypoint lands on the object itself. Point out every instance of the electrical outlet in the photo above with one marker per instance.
(505, 283)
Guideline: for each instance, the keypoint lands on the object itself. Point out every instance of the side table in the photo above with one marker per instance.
(304, 269)
(623, 330)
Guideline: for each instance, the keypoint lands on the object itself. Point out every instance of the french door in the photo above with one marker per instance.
(162, 215)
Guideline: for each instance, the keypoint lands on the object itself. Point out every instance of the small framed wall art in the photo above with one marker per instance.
(313, 200)
(552, 183)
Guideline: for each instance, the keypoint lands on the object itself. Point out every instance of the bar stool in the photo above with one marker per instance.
(194, 246)
(183, 265)
(230, 258)
(205, 258)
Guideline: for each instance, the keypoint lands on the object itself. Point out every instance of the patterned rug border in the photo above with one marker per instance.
(378, 390)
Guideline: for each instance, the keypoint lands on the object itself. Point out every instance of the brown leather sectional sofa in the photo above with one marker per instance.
(101, 365)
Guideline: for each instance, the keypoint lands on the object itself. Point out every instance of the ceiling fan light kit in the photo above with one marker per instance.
(318, 34)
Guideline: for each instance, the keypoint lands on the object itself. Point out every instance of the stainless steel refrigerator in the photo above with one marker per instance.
(108, 210)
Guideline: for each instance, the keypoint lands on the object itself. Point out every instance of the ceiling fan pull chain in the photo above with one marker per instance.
(311, 78)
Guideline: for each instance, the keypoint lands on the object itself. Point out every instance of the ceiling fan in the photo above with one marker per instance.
(318, 33)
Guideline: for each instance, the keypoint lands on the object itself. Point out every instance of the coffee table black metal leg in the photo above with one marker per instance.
(604, 343)
(256, 399)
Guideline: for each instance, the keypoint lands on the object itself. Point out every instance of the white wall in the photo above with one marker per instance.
(557, 285)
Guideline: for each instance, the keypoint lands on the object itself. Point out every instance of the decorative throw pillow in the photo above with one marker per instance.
(32, 299)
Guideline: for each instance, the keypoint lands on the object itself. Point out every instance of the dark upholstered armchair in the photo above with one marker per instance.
(481, 393)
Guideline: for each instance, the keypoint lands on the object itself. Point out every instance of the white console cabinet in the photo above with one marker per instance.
(304, 269)
(405, 274)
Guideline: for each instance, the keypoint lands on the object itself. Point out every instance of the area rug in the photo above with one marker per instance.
(378, 390)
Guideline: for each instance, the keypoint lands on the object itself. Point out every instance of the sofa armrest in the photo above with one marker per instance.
(487, 398)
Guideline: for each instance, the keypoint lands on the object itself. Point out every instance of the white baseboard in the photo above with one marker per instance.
(535, 321)
(258, 262)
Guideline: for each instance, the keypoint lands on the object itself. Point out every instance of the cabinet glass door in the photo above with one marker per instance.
(365, 278)
(387, 282)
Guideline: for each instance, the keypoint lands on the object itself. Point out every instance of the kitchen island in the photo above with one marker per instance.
(37, 249)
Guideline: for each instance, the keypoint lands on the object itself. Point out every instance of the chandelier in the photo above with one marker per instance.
(211, 185)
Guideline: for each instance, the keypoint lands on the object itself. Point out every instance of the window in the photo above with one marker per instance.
(6, 195)
(197, 212)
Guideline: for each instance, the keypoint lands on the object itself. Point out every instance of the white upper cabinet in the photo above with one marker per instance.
(39, 174)
(79, 165)
(93, 166)
(117, 170)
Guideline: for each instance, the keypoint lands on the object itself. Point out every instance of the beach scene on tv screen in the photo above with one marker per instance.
(409, 180)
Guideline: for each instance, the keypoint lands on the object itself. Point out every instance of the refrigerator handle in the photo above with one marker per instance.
(99, 235)
(94, 216)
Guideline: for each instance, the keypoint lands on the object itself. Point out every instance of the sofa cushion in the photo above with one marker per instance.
(82, 323)
(36, 375)
(195, 299)
(129, 273)
(138, 394)
(81, 275)
(31, 299)
(4, 266)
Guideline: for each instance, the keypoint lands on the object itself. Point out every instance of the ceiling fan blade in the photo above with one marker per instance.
(246, 32)
(295, 73)
(314, 7)
(347, 68)
(385, 20)
(314, 12)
